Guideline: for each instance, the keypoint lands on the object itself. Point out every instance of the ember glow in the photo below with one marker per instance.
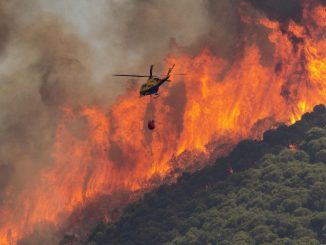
(215, 102)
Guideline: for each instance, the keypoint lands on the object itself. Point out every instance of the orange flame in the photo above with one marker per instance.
(114, 151)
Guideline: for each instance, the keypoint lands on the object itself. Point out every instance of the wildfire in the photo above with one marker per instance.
(99, 151)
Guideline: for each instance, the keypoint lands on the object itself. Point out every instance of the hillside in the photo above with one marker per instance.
(265, 192)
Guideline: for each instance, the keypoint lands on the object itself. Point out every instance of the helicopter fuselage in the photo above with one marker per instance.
(152, 86)
(153, 83)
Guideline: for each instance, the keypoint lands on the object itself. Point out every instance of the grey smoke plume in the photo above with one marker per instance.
(35, 81)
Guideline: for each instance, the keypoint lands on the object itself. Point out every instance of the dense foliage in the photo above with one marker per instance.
(275, 195)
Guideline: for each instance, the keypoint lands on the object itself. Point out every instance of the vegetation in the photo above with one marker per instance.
(275, 195)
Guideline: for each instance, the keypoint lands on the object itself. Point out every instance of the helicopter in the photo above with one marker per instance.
(151, 87)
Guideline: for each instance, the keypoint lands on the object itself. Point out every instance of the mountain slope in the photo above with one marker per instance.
(265, 192)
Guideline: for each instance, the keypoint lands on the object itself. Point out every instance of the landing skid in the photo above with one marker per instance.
(154, 96)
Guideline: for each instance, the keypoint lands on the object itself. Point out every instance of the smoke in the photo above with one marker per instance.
(282, 10)
(35, 82)
(55, 54)
(147, 29)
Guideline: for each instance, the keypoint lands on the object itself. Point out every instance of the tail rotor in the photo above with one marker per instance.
(170, 69)
(151, 71)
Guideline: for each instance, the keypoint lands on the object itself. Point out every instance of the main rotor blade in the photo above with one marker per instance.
(181, 74)
(127, 75)
(123, 75)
